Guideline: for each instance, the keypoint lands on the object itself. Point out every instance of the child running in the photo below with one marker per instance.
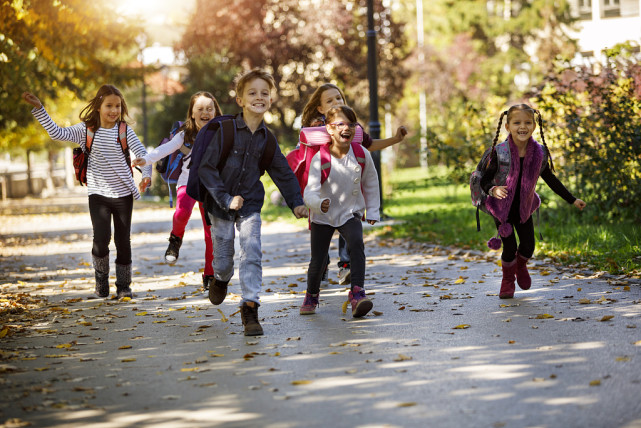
(110, 183)
(348, 194)
(324, 98)
(235, 194)
(202, 108)
(511, 189)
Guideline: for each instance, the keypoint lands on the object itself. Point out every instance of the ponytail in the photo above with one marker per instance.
(540, 120)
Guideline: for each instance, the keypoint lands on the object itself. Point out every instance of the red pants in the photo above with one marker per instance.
(184, 208)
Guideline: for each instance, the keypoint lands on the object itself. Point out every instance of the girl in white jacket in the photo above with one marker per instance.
(338, 201)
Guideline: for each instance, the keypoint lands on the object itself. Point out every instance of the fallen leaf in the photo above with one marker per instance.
(408, 404)
(345, 306)
(585, 301)
(544, 316)
(127, 360)
(223, 318)
(402, 357)
(460, 280)
(461, 327)
(301, 382)
(625, 358)
(606, 318)
(595, 382)
(125, 347)
(141, 314)
(64, 345)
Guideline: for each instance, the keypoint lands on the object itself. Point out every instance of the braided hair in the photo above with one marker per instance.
(535, 115)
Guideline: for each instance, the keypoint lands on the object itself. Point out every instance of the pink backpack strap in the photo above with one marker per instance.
(326, 162)
(359, 152)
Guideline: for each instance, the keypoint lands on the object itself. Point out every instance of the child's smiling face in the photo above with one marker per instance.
(520, 125)
(256, 97)
(110, 111)
(342, 130)
(203, 111)
(330, 98)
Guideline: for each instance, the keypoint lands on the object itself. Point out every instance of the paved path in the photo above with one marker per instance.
(566, 353)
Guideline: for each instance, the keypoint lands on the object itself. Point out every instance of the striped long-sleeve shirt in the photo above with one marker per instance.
(108, 173)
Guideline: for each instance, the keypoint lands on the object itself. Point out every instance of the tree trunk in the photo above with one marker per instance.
(29, 183)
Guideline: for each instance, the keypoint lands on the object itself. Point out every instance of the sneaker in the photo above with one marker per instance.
(207, 280)
(217, 292)
(249, 316)
(361, 305)
(171, 255)
(344, 275)
(309, 304)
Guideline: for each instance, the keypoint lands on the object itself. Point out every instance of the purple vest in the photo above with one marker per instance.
(530, 201)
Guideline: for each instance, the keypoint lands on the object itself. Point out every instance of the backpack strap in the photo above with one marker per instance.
(89, 139)
(326, 162)
(122, 136)
(359, 152)
(228, 128)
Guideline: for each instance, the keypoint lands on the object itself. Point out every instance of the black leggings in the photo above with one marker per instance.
(102, 209)
(526, 240)
(321, 236)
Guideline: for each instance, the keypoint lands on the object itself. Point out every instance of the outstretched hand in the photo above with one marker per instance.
(31, 99)
(401, 132)
(144, 184)
(579, 204)
(301, 211)
(138, 162)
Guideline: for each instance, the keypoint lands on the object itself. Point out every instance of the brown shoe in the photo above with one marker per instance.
(249, 315)
(217, 292)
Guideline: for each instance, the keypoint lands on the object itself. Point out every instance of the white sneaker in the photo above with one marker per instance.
(344, 275)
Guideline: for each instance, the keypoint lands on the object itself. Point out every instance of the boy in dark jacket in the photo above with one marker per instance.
(235, 195)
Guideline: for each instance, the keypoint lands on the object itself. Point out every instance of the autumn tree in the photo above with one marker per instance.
(49, 46)
(303, 43)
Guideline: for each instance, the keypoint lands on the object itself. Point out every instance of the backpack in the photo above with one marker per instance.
(81, 157)
(227, 125)
(311, 140)
(170, 167)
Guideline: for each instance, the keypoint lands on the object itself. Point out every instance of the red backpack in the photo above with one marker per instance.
(311, 140)
(81, 157)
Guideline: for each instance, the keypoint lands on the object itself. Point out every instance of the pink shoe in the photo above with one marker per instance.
(507, 283)
(309, 304)
(361, 305)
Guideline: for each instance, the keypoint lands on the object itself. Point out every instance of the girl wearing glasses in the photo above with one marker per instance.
(347, 194)
(324, 98)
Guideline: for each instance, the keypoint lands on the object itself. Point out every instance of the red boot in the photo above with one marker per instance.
(522, 275)
(507, 283)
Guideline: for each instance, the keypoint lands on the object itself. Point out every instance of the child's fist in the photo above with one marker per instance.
(236, 203)
(301, 211)
(401, 132)
(579, 204)
(138, 162)
(325, 205)
(31, 99)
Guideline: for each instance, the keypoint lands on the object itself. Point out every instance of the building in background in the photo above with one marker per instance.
(605, 23)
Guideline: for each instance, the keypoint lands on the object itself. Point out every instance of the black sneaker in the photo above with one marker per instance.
(171, 255)
(207, 281)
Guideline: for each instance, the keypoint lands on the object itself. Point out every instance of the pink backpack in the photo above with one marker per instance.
(312, 139)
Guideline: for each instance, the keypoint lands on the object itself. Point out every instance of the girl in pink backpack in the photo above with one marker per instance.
(342, 189)
(110, 184)
(510, 181)
(202, 108)
(322, 100)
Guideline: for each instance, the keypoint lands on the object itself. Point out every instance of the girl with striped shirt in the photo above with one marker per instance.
(110, 183)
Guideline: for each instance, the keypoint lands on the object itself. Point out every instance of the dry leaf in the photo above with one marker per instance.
(585, 301)
(544, 316)
(607, 318)
(625, 358)
(301, 382)
(223, 318)
(402, 357)
(345, 306)
(125, 347)
(127, 360)
(460, 280)
(595, 382)
(408, 404)
(141, 314)
(461, 327)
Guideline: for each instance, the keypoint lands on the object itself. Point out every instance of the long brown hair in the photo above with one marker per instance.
(310, 111)
(91, 113)
(189, 126)
(536, 115)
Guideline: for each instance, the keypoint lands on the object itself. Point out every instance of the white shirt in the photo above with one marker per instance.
(348, 191)
(168, 148)
(108, 173)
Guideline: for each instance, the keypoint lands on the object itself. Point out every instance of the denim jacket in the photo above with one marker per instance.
(241, 174)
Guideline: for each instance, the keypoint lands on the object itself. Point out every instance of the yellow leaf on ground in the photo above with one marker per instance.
(623, 359)
(544, 316)
(192, 369)
(64, 345)
(585, 301)
(125, 347)
(345, 303)
(402, 357)
(637, 343)
(544, 272)
(595, 382)
(141, 314)
(461, 327)
(460, 280)
(127, 360)
(126, 299)
(408, 404)
(223, 318)
(301, 382)
(607, 318)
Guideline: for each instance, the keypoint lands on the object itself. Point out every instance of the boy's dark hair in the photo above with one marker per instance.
(190, 124)
(346, 111)
(535, 115)
(310, 111)
(247, 76)
(91, 113)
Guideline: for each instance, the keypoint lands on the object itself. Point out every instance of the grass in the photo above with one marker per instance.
(429, 208)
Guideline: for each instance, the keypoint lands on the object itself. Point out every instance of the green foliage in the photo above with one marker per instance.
(594, 126)
(50, 46)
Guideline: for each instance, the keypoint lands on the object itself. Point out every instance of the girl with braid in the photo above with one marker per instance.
(510, 181)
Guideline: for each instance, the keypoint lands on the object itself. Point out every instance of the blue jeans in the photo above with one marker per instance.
(250, 267)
